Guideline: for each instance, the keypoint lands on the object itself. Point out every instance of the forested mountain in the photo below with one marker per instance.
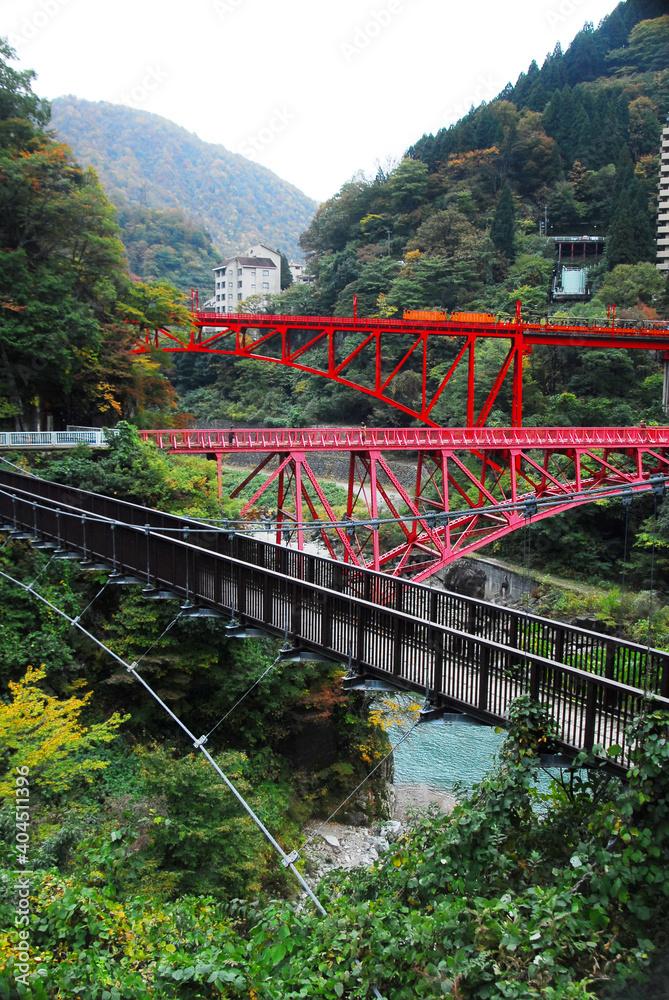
(145, 160)
(128, 869)
(163, 244)
(458, 225)
(65, 294)
(577, 139)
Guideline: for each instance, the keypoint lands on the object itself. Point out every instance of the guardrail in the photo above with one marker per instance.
(403, 438)
(467, 653)
(53, 439)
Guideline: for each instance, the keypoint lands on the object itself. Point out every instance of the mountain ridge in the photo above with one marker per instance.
(145, 159)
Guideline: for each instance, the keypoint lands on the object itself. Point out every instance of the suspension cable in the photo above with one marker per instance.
(357, 789)
(91, 603)
(24, 472)
(441, 519)
(156, 641)
(43, 569)
(245, 695)
(288, 861)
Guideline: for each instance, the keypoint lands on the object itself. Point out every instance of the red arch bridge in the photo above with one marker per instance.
(405, 363)
(411, 501)
(464, 655)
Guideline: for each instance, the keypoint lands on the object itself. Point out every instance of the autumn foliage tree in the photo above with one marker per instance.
(45, 735)
(65, 294)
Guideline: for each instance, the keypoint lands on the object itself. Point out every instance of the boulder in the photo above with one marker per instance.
(464, 577)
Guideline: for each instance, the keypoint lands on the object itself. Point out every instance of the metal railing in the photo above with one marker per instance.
(403, 438)
(96, 438)
(466, 653)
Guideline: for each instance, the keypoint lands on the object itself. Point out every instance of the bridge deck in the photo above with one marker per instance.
(404, 439)
(470, 654)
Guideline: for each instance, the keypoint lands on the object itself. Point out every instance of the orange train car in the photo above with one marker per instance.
(457, 317)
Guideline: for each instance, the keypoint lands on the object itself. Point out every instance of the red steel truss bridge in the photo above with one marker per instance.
(463, 655)
(375, 356)
(416, 499)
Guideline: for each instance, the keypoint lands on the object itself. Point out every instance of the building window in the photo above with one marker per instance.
(253, 272)
(265, 284)
(218, 298)
(222, 309)
(239, 297)
(229, 270)
(229, 284)
(230, 295)
(239, 270)
(253, 285)
(239, 284)
(265, 274)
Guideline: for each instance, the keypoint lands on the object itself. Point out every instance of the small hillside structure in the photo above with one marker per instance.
(299, 273)
(575, 256)
(257, 272)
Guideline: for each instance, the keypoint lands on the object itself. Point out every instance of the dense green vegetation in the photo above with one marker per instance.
(164, 245)
(456, 226)
(518, 894)
(145, 160)
(136, 800)
(146, 879)
(65, 294)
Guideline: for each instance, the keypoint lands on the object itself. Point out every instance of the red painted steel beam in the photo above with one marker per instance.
(329, 347)
(346, 439)
(476, 471)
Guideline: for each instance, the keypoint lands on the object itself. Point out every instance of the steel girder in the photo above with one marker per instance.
(451, 491)
(369, 355)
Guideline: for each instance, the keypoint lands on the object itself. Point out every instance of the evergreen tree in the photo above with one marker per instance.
(502, 231)
(579, 135)
(553, 73)
(286, 276)
(644, 235)
(631, 236)
(624, 175)
(663, 304)
(583, 60)
(17, 100)
(621, 240)
(489, 129)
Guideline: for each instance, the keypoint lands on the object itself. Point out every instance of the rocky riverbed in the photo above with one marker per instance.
(336, 845)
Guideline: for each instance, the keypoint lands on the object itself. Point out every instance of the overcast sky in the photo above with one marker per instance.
(315, 90)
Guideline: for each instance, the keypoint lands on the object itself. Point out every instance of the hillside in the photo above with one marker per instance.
(165, 245)
(129, 869)
(457, 225)
(145, 160)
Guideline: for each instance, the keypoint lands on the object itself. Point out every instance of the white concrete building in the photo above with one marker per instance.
(663, 206)
(257, 272)
(299, 273)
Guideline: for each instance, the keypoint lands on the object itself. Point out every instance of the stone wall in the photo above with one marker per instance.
(486, 579)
